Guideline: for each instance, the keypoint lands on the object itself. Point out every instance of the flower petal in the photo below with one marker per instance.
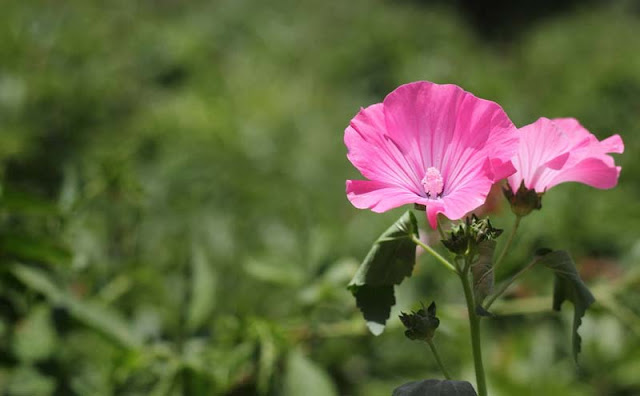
(441, 126)
(377, 196)
(376, 156)
(562, 150)
(470, 194)
(592, 171)
(542, 147)
(433, 208)
(613, 144)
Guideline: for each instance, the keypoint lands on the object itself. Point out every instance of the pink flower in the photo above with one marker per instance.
(429, 144)
(561, 150)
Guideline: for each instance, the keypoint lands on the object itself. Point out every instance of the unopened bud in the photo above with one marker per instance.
(464, 237)
(524, 201)
(421, 325)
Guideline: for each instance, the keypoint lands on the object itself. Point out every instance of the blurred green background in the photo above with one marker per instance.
(172, 208)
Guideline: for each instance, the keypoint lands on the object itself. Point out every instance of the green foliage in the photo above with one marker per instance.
(568, 286)
(390, 260)
(91, 314)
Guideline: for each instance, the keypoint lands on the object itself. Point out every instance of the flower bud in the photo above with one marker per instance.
(464, 237)
(524, 201)
(421, 325)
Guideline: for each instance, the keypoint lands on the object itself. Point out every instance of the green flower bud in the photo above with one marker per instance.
(464, 237)
(524, 201)
(421, 325)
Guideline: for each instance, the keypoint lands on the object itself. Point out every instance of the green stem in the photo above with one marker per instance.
(435, 254)
(442, 235)
(508, 283)
(474, 325)
(507, 245)
(437, 356)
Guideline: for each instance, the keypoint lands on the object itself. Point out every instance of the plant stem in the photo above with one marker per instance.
(508, 283)
(507, 245)
(437, 357)
(474, 325)
(442, 235)
(435, 254)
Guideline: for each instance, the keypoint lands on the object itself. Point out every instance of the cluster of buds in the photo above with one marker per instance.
(465, 237)
(421, 325)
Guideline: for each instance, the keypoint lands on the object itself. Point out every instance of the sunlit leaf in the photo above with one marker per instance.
(268, 354)
(105, 320)
(304, 377)
(274, 271)
(35, 338)
(203, 289)
(27, 381)
(390, 260)
(166, 382)
(39, 281)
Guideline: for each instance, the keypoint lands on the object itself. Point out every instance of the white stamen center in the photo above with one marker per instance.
(432, 182)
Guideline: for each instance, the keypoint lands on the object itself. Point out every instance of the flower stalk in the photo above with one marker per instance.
(436, 355)
(474, 319)
(507, 245)
(435, 254)
(474, 327)
(508, 283)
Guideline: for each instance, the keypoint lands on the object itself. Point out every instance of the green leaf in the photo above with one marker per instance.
(482, 271)
(273, 271)
(166, 381)
(435, 387)
(304, 377)
(92, 314)
(23, 247)
(105, 320)
(27, 381)
(203, 289)
(389, 261)
(38, 280)
(375, 303)
(568, 286)
(268, 355)
(25, 203)
(35, 338)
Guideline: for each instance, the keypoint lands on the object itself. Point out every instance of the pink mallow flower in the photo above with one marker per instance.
(561, 150)
(429, 144)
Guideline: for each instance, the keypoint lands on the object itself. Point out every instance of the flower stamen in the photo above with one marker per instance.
(432, 182)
